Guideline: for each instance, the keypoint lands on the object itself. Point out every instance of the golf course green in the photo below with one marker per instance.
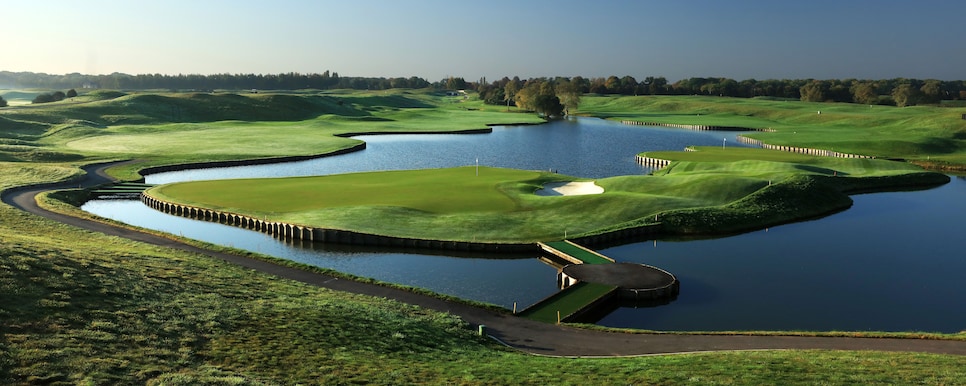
(744, 189)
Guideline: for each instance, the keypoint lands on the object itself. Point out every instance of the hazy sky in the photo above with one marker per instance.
(870, 39)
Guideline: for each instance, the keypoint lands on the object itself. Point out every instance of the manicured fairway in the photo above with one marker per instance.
(499, 205)
(924, 133)
(439, 191)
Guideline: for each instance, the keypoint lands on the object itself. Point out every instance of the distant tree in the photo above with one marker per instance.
(43, 98)
(455, 83)
(612, 85)
(728, 87)
(658, 86)
(582, 84)
(814, 91)
(930, 92)
(539, 95)
(628, 85)
(510, 92)
(58, 96)
(905, 95)
(596, 86)
(547, 102)
(3, 103)
(568, 94)
(71, 93)
(864, 93)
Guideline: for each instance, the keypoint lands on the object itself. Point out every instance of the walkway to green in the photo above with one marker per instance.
(574, 253)
(573, 300)
(121, 189)
(569, 303)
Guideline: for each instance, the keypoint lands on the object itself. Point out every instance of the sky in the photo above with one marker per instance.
(676, 39)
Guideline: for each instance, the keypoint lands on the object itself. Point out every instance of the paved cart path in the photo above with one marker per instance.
(519, 333)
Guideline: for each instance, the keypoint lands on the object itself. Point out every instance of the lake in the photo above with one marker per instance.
(893, 262)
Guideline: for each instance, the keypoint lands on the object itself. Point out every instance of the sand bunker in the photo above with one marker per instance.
(570, 189)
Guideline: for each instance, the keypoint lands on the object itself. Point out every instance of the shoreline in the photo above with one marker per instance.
(524, 335)
(617, 235)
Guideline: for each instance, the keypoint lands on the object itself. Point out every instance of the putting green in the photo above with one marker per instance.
(439, 191)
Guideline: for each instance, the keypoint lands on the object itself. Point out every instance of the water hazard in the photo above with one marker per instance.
(891, 263)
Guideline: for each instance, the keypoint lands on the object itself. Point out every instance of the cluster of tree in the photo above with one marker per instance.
(3, 102)
(287, 81)
(55, 96)
(551, 97)
(900, 91)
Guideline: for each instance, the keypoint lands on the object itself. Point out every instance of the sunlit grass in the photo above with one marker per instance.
(922, 133)
(499, 205)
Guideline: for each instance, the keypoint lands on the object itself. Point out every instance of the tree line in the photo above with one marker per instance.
(287, 81)
(897, 91)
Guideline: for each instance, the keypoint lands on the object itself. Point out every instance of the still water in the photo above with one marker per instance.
(893, 262)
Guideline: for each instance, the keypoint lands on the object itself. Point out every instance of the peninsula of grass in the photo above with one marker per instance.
(929, 135)
(495, 205)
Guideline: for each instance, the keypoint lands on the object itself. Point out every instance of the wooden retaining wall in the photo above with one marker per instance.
(695, 127)
(801, 150)
(655, 163)
(659, 163)
(286, 231)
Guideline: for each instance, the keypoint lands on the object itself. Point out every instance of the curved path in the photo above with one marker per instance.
(522, 334)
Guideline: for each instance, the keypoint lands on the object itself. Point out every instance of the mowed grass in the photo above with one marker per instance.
(441, 191)
(165, 128)
(926, 134)
(499, 205)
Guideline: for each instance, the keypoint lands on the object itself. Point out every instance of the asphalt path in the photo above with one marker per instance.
(519, 333)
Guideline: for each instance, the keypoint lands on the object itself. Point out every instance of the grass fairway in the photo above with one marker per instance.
(162, 128)
(78, 307)
(499, 206)
(926, 134)
(439, 191)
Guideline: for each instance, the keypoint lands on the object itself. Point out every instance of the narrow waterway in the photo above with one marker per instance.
(890, 263)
